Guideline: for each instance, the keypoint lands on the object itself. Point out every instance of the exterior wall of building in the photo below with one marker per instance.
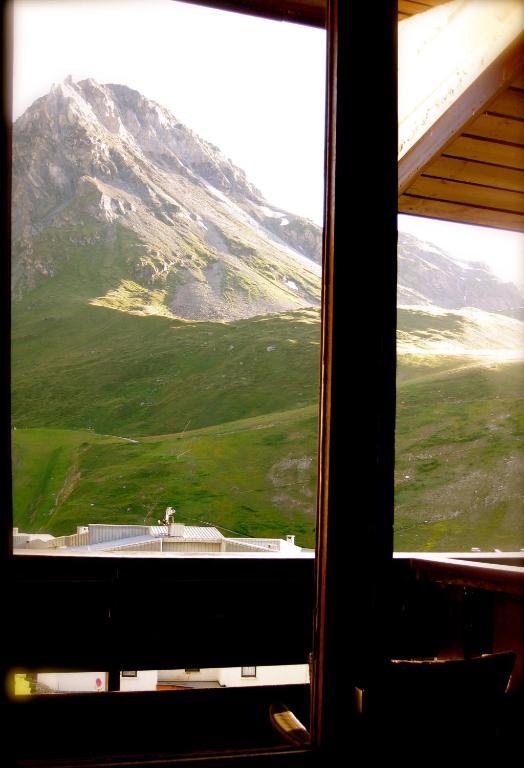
(191, 546)
(180, 675)
(273, 545)
(240, 546)
(154, 545)
(145, 680)
(232, 676)
(74, 682)
(100, 532)
(277, 675)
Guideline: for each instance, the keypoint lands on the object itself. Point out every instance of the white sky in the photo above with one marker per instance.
(253, 87)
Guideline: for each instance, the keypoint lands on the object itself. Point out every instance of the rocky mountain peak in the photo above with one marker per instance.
(92, 156)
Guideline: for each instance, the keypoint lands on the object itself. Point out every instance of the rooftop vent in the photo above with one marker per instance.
(174, 530)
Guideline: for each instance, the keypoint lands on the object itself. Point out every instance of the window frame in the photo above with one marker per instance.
(248, 674)
(338, 578)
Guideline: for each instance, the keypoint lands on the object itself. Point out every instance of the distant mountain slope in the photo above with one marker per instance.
(202, 243)
(468, 332)
(427, 275)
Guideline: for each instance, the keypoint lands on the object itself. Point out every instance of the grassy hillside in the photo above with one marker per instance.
(87, 379)
(459, 464)
(225, 419)
(256, 477)
(123, 374)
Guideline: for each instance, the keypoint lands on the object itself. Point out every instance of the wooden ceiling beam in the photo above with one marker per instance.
(465, 110)
(466, 193)
(309, 12)
(505, 129)
(466, 214)
(510, 103)
(475, 172)
(486, 151)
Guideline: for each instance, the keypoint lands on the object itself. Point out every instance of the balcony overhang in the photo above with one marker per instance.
(310, 12)
(468, 164)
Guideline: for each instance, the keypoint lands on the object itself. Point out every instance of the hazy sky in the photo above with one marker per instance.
(255, 88)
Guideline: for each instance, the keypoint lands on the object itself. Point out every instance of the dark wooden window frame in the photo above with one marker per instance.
(110, 606)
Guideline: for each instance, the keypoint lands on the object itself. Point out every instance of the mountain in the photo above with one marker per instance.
(132, 237)
(429, 276)
(155, 217)
(111, 184)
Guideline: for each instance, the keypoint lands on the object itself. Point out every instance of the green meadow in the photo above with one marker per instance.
(117, 415)
(459, 463)
(254, 477)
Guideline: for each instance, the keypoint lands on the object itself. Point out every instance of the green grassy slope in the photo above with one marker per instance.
(85, 376)
(127, 375)
(256, 477)
(225, 415)
(45, 469)
(459, 464)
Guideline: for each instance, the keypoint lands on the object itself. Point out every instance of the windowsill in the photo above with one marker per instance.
(142, 555)
(495, 571)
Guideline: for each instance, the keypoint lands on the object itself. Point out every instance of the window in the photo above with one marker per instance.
(129, 674)
(249, 671)
(460, 330)
(101, 595)
(459, 374)
(191, 298)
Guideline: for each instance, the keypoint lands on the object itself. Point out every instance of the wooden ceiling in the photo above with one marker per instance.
(407, 8)
(311, 12)
(469, 167)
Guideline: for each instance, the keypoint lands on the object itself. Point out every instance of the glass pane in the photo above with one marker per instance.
(460, 370)
(460, 340)
(23, 683)
(167, 209)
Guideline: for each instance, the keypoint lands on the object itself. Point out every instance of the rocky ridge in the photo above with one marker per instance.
(90, 158)
(430, 277)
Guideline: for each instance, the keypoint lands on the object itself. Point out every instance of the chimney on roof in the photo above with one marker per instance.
(175, 530)
(290, 538)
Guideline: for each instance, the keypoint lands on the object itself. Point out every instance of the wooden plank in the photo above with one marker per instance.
(466, 214)
(469, 194)
(498, 128)
(518, 82)
(509, 103)
(309, 12)
(490, 576)
(487, 152)
(473, 102)
(403, 16)
(476, 173)
(411, 6)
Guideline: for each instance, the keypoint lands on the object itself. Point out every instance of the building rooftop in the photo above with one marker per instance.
(173, 540)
